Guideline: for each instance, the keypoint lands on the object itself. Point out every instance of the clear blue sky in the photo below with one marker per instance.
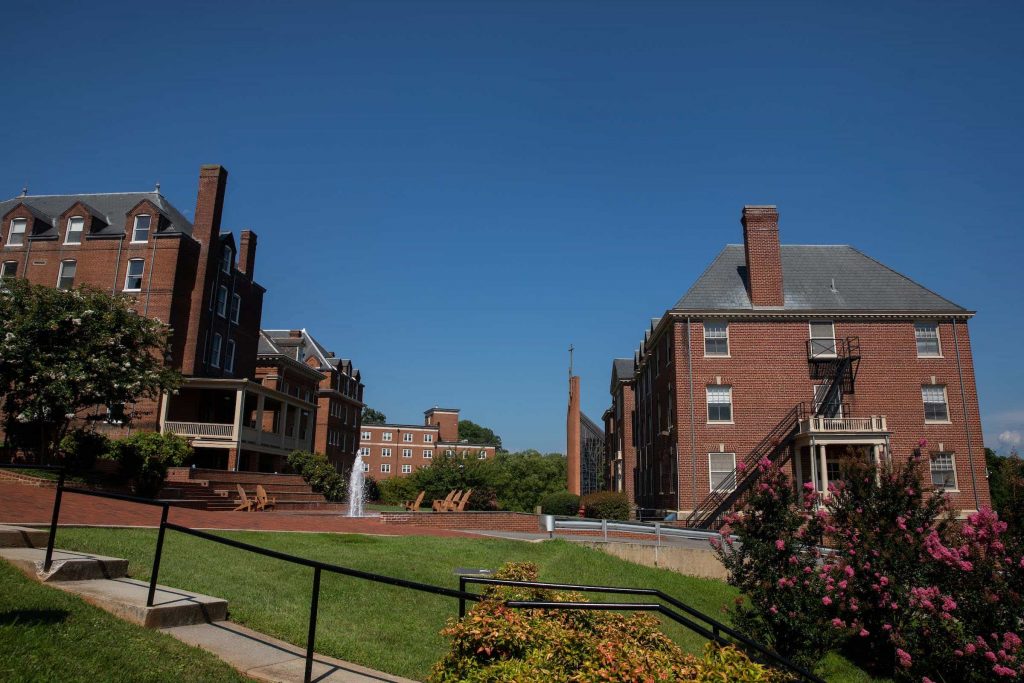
(452, 193)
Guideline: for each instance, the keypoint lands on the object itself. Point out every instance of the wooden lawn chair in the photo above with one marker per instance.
(263, 501)
(414, 506)
(441, 505)
(243, 500)
(462, 503)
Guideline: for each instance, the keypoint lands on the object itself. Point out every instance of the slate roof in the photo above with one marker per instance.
(111, 208)
(622, 371)
(862, 284)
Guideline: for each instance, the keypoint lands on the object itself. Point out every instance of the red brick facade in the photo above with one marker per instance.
(618, 430)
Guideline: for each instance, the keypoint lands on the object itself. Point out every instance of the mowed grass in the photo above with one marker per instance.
(388, 628)
(49, 635)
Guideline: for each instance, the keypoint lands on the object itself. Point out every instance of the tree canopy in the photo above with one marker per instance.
(476, 434)
(373, 417)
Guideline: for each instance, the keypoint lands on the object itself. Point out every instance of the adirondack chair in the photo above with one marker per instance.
(244, 502)
(414, 506)
(441, 505)
(263, 501)
(462, 503)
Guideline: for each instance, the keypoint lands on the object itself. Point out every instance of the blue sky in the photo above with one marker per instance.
(452, 193)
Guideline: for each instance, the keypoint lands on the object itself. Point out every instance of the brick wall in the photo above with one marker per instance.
(493, 521)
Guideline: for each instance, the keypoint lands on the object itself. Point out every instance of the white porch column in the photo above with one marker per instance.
(876, 454)
(165, 398)
(823, 467)
(236, 430)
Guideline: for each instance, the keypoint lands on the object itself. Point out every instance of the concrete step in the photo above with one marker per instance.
(22, 537)
(126, 598)
(67, 565)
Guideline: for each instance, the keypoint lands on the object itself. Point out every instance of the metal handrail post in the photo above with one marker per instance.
(53, 521)
(156, 557)
(311, 636)
(462, 601)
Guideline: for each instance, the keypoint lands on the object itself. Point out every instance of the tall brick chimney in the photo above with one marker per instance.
(213, 180)
(764, 259)
(247, 253)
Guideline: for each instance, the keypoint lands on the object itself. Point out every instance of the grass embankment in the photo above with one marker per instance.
(49, 635)
(387, 628)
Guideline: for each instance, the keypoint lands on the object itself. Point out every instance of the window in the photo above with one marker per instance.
(927, 335)
(428, 438)
(716, 339)
(385, 452)
(834, 408)
(16, 237)
(935, 408)
(428, 454)
(406, 469)
(364, 451)
(227, 258)
(133, 280)
(66, 277)
(722, 470)
(366, 467)
(229, 356)
(115, 414)
(365, 436)
(215, 353)
(823, 339)
(387, 436)
(406, 452)
(9, 269)
(236, 307)
(407, 437)
(449, 453)
(385, 468)
(719, 403)
(140, 232)
(482, 455)
(74, 232)
(222, 301)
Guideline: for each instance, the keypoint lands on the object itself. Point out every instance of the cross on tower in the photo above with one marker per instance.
(571, 349)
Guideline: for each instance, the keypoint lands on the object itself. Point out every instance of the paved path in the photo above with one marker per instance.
(20, 504)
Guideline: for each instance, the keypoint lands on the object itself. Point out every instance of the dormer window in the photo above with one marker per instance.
(227, 259)
(76, 224)
(16, 236)
(140, 232)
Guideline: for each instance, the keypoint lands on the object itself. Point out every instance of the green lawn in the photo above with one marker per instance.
(388, 628)
(49, 635)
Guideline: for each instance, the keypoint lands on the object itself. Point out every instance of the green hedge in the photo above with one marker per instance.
(606, 505)
(319, 474)
(562, 503)
(143, 459)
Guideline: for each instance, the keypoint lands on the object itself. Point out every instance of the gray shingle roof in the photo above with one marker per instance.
(111, 208)
(862, 284)
(622, 371)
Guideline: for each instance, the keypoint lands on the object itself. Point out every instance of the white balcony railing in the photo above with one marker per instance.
(206, 430)
(836, 425)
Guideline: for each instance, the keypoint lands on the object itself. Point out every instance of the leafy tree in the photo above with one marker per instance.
(521, 479)
(64, 352)
(1006, 483)
(474, 433)
(373, 417)
(143, 459)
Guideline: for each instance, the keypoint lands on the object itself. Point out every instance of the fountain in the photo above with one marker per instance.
(355, 489)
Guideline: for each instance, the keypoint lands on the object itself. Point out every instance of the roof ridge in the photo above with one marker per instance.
(82, 194)
(913, 282)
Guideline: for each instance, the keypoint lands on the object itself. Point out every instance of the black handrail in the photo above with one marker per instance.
(713, 631)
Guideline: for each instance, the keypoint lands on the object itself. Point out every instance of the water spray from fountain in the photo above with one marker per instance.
(356, 492)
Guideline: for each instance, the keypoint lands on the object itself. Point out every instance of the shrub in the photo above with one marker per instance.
(497, 644)
(81, 448)
(397, 490)
(562, 503)
(606, 505)
(371, 489)
(143, 459)
(319, 474)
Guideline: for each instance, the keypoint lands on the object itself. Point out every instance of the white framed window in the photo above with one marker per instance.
(215, 352)
(73, 235)
(133, 276)
(719, 403)
(66, 276)
(834, 407)
(385, 452)
(927, 336)
(365, 436)
(116, 414)
(16, 235)
(482, 455)
(722, 470)
(427, 454)
(229, 356)
(407, 437)
(364, 451)
(406, 469)
(428, 438)
(936, 408)
(140, 231)
(823, 339)
(716, 338)
(222, 301)
(406, 452)
(227, 259)
(943, 467)
(9, 269)
(236, 307)
(385, 467)
(366, 467)
(387, 436)
(449, 452)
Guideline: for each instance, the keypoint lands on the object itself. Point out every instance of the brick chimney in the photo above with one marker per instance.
(213, 180)
(764, 259)
(247, 253)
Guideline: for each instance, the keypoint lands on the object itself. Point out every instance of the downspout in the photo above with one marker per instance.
(967, 423)
(149, 286)
(117, 266)
(693, 417)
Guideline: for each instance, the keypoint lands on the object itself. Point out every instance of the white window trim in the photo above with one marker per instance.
(956, 478)
(236, 308)
(406, 452)
(428, 453)
(227, 259)
(3, 269)
(811, 337)
(229, 356)
(365, 435)
(216, 349)
(60, 273)
(222, 304)
(128, 274)
(135, 224)
(386, 436)
(707, 406)
(385, 452)
(407, 437)
(710, 471)
(23, 233)
(385, 467)
(728, 341)
(428, 438)
(406, 469)
(67, 230)
(938, 339)
(945, 398)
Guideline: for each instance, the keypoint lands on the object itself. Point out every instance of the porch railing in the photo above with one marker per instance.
(821, 424)
(201, 429)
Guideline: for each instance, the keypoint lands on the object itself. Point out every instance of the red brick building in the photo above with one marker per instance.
(396, 450)
(805, 355)
(618, 430)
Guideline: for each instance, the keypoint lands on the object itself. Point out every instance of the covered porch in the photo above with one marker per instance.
(822, 444)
